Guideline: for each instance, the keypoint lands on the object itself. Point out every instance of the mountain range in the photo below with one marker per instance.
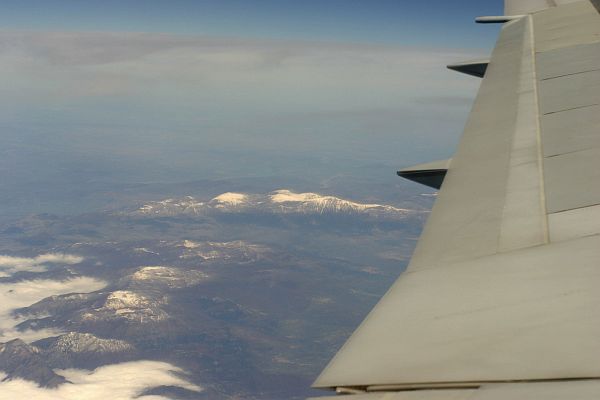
(249, 294)
(279, 202)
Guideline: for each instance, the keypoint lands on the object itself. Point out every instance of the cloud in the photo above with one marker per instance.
(25, 293)
(121, 381)
(192, 105)
(105, 64)
(260, 95)
(9, 265)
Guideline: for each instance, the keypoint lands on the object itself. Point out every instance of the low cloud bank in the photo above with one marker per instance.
(10, 265)
(120, 381)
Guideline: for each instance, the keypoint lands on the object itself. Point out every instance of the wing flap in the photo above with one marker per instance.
(568, 390)
(416, 395)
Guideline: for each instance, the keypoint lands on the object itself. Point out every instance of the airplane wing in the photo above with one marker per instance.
(501, 299)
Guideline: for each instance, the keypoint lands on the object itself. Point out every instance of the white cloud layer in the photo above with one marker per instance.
(25, 293)
(9, 265)
(63, 66)
(136, 97)
(118, 382)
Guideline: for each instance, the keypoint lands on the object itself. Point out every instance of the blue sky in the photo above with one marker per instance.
(403, 22)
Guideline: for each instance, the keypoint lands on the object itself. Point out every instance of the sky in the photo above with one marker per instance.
(399, 22)
(95, 94)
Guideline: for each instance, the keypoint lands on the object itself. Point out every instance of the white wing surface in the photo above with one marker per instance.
(502, 297)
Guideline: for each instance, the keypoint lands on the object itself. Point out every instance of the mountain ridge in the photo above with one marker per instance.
(278, 202)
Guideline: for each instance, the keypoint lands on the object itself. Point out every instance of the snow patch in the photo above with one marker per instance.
(128, 305)
(188, 244)
(124, 299)
(157, 272)
(212, 251)
(284, 196)
(187, 205)
(232, 199)
(172, 277)
(321, 203)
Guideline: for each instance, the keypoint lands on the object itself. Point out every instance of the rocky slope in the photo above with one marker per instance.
(36, 362)
(25, 361)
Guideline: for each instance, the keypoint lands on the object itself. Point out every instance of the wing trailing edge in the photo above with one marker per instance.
(557, 390)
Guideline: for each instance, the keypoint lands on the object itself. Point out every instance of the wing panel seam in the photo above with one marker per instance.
(543, 200)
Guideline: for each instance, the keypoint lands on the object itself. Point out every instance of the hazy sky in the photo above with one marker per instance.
(403, 22)
(94, 93)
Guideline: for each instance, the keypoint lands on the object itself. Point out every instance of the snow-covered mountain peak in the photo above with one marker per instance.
(168, 276)
(155, 272)
(125, 299)
(320, 203)
(284, 195)
(188, 244)
(230, 199)
(129, 305)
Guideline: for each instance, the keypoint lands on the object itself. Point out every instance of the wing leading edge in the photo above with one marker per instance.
(503, 284)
